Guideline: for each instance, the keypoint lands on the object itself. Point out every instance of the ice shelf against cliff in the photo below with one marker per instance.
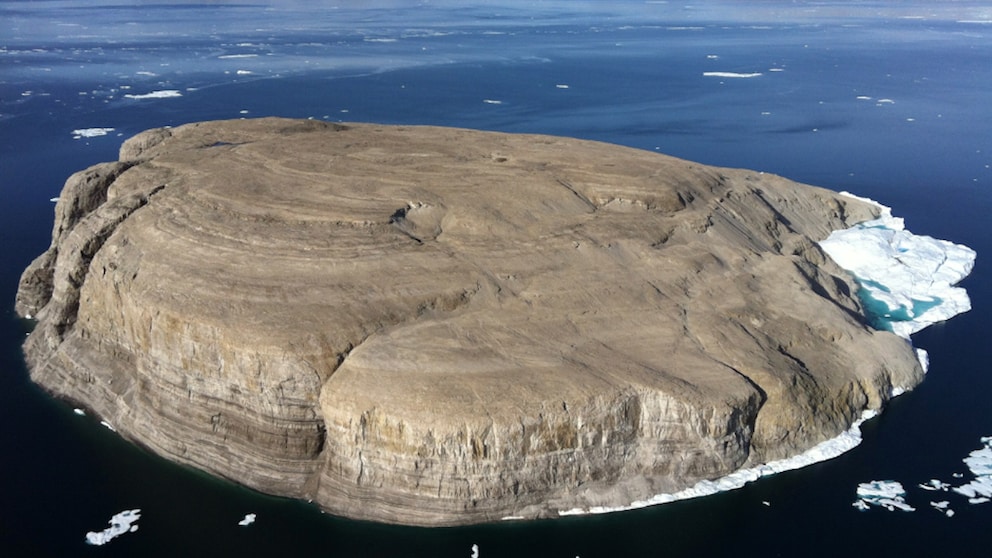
(823, 451)
(907, 280)
(124, 522)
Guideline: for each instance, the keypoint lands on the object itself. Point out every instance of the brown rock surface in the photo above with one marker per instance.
(438, 326)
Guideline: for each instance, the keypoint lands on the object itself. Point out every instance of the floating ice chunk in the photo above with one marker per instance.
(979, 490)
(935, 484)
(121, 523)
(90, 132)
(881, 489)
(248, 520)
(163, 94)
(906, 280)
(731, 74)
(887, 494)
(943, 506)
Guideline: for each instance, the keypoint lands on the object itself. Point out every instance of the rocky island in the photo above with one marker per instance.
(439, 326)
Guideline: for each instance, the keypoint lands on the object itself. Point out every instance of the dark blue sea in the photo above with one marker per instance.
(887, 99)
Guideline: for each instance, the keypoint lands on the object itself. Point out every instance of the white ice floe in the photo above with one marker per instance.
(934, 485)
(248, 520)
(731, 74)
(886, 494)
(906, 280)
(823, 451)
(978, 491)
(163, 94)
(121, 523)
(90, 132)
(944, 507)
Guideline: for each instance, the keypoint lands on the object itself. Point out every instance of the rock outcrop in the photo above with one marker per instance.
(439, 326)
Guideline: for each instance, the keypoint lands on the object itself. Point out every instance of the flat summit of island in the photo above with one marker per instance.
(439, 326)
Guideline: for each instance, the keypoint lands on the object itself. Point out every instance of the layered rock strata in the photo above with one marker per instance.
(439, 326)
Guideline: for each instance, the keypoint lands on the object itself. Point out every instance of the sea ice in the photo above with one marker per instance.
(943, 507)
(906, 280)
(887, 494)
(121, 523)
(90, 132)
(731, 74)
(978, 491)
(934, 484)
(823, 451)
(165, 93)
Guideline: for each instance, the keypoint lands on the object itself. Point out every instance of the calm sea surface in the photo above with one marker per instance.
(889, 100)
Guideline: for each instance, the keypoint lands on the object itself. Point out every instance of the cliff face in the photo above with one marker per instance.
(439, 326)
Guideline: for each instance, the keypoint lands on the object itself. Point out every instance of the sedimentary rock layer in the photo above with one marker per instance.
(438, 326)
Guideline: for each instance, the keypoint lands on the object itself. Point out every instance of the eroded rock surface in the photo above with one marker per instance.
(438, 326)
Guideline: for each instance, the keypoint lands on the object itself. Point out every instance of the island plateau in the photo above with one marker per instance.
(440, 326)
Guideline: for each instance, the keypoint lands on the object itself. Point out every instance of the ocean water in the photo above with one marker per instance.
(888, 100)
